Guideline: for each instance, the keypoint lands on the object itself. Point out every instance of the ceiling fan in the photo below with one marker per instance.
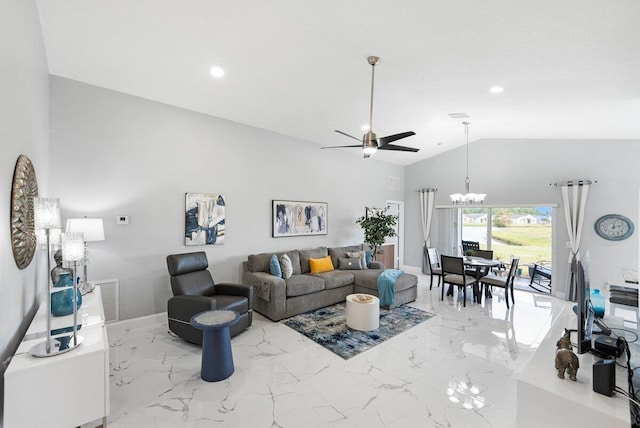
(370, 143)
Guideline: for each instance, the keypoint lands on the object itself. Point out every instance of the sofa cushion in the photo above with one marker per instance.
(295, 261)
(338, 252)
(305, 255)
(259, 262)
(365, 279)
(274, 266)
(406, 280)
(349, 263)
(285, 264)
(320, 265)
(299, 285)
(368, 257)
(335, 278)
(358, 254)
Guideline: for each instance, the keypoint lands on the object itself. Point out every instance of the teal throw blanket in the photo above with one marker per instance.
(387, 286)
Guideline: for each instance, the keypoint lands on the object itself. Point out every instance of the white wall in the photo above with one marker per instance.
(114, 154)
(23, 130)
(520, 171)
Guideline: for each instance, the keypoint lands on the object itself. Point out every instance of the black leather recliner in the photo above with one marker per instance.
(194, 291)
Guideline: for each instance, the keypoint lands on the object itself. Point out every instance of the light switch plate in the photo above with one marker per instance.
(122, 219)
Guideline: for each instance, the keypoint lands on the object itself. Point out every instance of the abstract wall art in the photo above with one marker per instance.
(23, 190)
(204, 219)
(299, 218)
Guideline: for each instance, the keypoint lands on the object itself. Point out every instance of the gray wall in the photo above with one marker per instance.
(519, 172)
(23, 130)
(114, 154)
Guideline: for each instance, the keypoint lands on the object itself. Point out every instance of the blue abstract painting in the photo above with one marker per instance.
(204, 219)
(297, 218)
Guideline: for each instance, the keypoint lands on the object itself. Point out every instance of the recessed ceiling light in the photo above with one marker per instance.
(216, 72)
(496, 89)
(365, 127)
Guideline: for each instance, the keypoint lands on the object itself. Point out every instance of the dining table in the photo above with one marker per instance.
(481, 267)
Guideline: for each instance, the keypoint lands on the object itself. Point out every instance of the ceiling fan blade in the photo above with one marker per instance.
(340, 147)
(347, 135)
(398, 148)
(391, 138)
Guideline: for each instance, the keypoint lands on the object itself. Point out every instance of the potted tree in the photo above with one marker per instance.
(377, 225)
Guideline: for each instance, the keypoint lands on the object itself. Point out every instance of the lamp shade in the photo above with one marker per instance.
(46, 213)
(92, 228)
(54, 238)
(72, 247)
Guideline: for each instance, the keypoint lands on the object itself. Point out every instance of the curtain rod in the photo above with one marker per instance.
(461, 206)
(573, 183)
(426, 190)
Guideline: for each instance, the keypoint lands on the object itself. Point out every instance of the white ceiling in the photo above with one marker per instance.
(570, 68)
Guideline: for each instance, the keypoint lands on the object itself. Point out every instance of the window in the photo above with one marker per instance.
(524, 232)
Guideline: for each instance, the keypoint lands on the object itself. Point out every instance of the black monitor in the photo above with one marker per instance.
(584, 311)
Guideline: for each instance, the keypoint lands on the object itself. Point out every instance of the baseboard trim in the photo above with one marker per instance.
(124, 325)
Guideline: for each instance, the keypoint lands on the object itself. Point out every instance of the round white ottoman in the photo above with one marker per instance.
(363, 312)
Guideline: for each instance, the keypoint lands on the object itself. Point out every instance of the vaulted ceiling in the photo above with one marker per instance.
(569, 69)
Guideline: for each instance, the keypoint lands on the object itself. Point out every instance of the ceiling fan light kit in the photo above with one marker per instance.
(468, 198)
(370, 142)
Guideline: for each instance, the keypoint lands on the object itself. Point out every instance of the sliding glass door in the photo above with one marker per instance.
(525, 232)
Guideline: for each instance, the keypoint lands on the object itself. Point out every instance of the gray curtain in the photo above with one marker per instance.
(574, 201)
(427, 199)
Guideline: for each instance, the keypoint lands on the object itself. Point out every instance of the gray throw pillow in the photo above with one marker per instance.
(285, 264)
(350, 263)
(359, 254)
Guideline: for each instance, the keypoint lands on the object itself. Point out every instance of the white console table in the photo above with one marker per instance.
(546, 400)
(65, 390)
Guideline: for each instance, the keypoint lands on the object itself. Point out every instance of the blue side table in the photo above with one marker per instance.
(217, 360)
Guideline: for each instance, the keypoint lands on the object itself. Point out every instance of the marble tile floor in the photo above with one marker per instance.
(455, 370)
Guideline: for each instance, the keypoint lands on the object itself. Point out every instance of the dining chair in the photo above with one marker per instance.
(480, 272)
(454, 274)
(502, 282)
(470, 245)
(434, 265)
(485, 254)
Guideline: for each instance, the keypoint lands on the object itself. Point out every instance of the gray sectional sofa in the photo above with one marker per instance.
(278, 298)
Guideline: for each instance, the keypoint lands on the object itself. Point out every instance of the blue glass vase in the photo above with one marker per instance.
(597, 301)
(62, 301)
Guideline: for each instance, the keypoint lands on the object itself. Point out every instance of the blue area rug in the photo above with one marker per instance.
(327, 327)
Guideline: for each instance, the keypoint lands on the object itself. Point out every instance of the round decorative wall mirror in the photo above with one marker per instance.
(23, 190)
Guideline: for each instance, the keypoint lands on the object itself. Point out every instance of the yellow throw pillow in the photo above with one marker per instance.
(321, 265)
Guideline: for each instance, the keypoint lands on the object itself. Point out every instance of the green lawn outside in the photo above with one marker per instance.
(532, 243)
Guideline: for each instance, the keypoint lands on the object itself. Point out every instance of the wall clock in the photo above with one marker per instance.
(614, 227)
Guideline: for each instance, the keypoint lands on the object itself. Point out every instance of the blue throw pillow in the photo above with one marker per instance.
(368, 255)
(274, 266)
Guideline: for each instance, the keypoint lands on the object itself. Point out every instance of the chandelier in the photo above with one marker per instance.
(468, 197)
